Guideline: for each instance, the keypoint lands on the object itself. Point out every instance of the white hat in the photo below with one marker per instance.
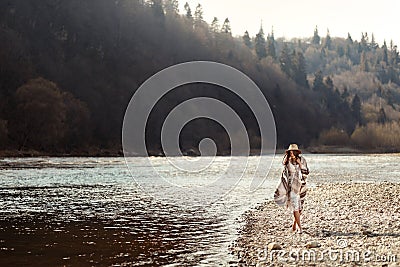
(293, 147)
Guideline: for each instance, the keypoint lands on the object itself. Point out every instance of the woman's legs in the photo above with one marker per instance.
(295, 199)
(294, 224)
(296, 220)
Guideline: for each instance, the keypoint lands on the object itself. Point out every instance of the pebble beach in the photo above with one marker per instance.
(346, 224)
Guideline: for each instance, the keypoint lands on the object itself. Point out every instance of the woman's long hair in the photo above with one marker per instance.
(286, 156)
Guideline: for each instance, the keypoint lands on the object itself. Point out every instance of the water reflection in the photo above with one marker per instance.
(69, 225)
(139, 240)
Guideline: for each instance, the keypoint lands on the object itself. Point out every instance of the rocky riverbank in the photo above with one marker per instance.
(343, 225)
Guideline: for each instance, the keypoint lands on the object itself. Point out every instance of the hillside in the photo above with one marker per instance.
(69, 68)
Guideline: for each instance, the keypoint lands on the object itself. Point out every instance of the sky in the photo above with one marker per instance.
(298, 18)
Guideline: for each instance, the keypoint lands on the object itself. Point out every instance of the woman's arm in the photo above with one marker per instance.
(303, 165)
(285, 159)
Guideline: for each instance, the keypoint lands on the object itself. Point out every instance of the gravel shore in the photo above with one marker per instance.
(354, 224)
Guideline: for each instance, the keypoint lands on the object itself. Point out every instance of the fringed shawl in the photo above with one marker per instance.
(295, 183)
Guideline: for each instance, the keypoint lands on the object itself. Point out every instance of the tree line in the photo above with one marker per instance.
(69, 68)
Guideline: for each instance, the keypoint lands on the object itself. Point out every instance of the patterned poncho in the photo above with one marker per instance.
(294, 182)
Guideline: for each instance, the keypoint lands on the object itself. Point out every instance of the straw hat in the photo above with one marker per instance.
(293, 147)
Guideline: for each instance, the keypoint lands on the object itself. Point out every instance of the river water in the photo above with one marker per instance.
(91, 212)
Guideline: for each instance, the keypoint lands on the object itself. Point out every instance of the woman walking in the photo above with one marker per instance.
(292, 188)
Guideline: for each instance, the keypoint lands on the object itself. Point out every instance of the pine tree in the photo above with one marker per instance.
(356, 109)
(364, 42)
(332, 96)
(285, 61)
(329, 83)
(359, 48)
(385, 52)
(340, 50)
(382, 116)
(364, 62)
(373, 44)
(347, 51)
(379, 91)
(349, 40)
(188, 11)
(327, 41)
(246, 39)
(390, 99)
(299, 69)
(394, 54)
(260, 44)
(318, 83)
(198, 14)
(226, 27)
(271, 45)
(171, 7)
(382, 73)
(345, 94)
(316, 39)
(215, 25)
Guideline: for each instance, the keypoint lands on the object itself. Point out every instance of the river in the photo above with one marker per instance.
(91, 211)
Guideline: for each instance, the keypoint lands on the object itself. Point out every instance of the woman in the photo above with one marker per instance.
(292, 188)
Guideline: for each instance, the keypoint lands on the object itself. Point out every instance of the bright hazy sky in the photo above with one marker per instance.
(298, 18)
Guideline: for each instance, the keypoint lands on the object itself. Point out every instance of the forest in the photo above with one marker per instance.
(69, 68)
